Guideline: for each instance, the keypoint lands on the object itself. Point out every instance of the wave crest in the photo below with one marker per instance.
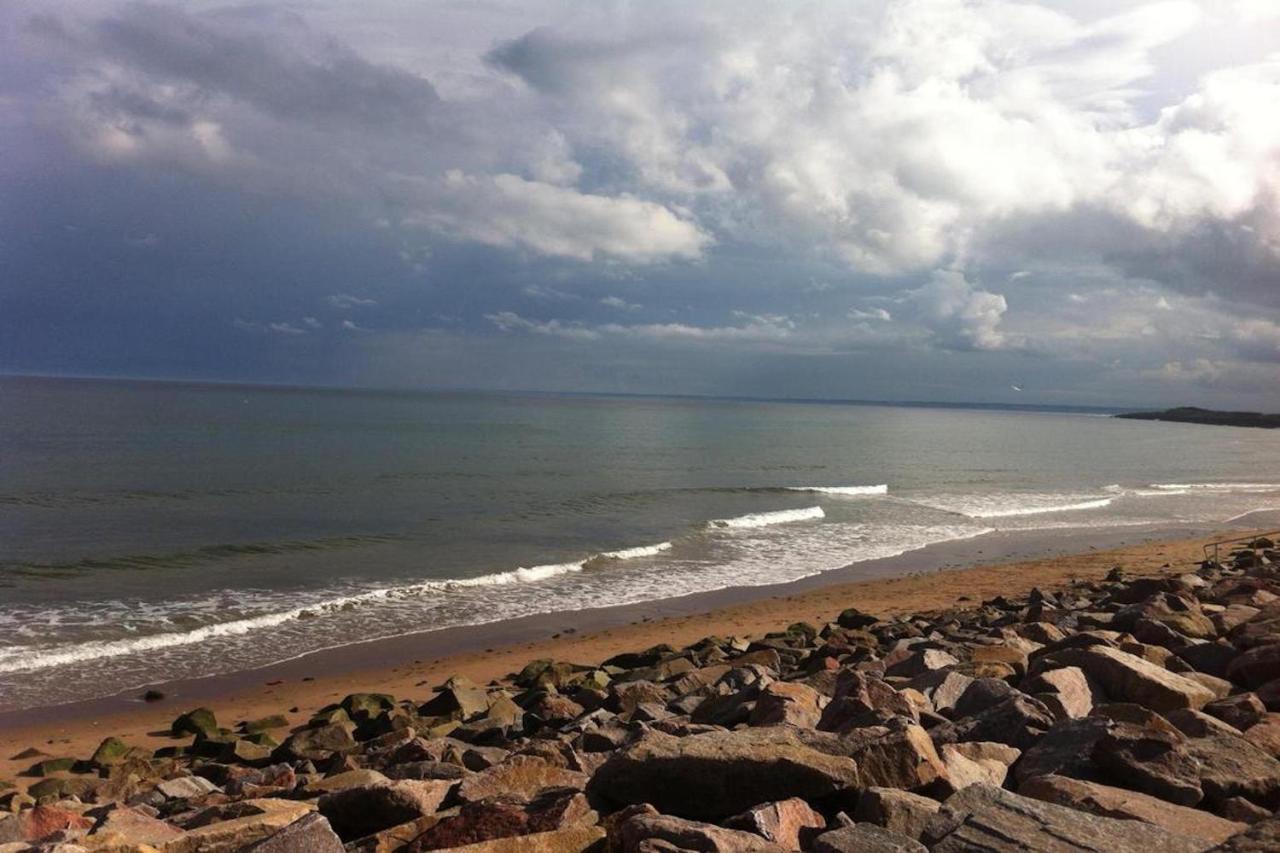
(764, 519)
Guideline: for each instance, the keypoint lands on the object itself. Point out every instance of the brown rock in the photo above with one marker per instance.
(520, 778)
(1265, 734)
(897, 811)
(717, 774)
(1156, 762)
(1257, 666)
(786, 703)
(357, 812)
(1240, 711)
(1119, 803)
(1262, 837)
(1127, 678)
(264, 816)
(1233, 767)
(687, 835)
(501, 818)
(308, 834)
(1199, 724)
(976, 762)
(1070, 689)
(788, 823)
(136, 827)
(575, 839)
(865, 838)
(901, 758)
(40, 822)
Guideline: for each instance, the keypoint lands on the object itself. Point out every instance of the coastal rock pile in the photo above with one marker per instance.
(1113, 715)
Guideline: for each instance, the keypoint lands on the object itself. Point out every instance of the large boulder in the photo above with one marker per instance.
(718, 774)
(1128, 678)
(308, 834)
(1231, 766)
(784, 703)
(521, 778)
(1262, 837)
(1256, 666)
(1109, 801)
(680, 834)
(357, 812)
(984, 819)
(1150, 760)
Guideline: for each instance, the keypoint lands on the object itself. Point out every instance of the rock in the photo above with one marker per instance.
(983, 818)
(865, 838)
(457, 699)
(717, 774)
(134, 826)
(1199, 724)
(199, 722)
(1240, 711)
(1240, 810)
(973, 762)
(1231, 766)
(500, 818)
(687, 835)
(898, 811)
(111, 751)
(263, 724)
(519, 778)
(1156, 762)
(42, 821)
(944, 687)
(262, 817)
(785, 703)
(308, 834)
(901, 758)
(1019, 721)
(913, 663)
(1014, 658)
(1262, 837)
(1066, 749)
(1127, 678)
(1073, 695)
(343, 781)
(320, 743)
(981, 694)
(1107, 801)
(186, 788)
(1256, 666)
(1265, 734)
(788, 823)
(861, 699)
(357, 812)
(575, 839)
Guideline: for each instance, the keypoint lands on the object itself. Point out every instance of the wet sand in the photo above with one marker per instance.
(928, 579)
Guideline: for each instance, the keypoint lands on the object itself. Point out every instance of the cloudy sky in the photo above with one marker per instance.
(1060, 202)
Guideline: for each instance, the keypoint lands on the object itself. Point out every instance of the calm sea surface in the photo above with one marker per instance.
(152, 531)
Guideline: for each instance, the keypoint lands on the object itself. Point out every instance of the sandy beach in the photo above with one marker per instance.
(925, 580)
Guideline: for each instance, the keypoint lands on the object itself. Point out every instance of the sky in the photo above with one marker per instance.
(1072, 202)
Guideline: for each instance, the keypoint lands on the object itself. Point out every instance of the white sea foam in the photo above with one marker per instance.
(27, 658)
(848, 491)
(1153, 492)
(764, 519)
(1012, 505)
(1218, 487)
(634, 553)
(1038, 510)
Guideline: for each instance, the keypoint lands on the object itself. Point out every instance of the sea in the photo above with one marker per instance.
(154, 531)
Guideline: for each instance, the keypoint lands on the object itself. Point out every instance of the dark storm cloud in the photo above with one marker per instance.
(894, 198)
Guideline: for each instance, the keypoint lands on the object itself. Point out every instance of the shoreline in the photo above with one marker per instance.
(925, 579)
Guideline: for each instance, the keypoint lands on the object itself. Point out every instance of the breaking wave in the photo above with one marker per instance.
(764, 519)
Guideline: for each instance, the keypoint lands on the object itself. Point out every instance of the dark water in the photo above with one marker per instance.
(152, 531)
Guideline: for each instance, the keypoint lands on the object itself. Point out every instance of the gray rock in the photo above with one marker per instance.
(865, 838)
(986, 819)
(310, 834)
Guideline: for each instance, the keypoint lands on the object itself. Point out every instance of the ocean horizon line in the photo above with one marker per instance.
(410, 391)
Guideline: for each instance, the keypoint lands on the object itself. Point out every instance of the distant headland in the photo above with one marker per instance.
(1194, 415)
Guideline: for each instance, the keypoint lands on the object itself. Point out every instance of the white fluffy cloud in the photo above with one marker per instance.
(959, 315)
(509, 211)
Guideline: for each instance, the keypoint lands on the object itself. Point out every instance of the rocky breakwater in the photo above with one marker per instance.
(1123, 714)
